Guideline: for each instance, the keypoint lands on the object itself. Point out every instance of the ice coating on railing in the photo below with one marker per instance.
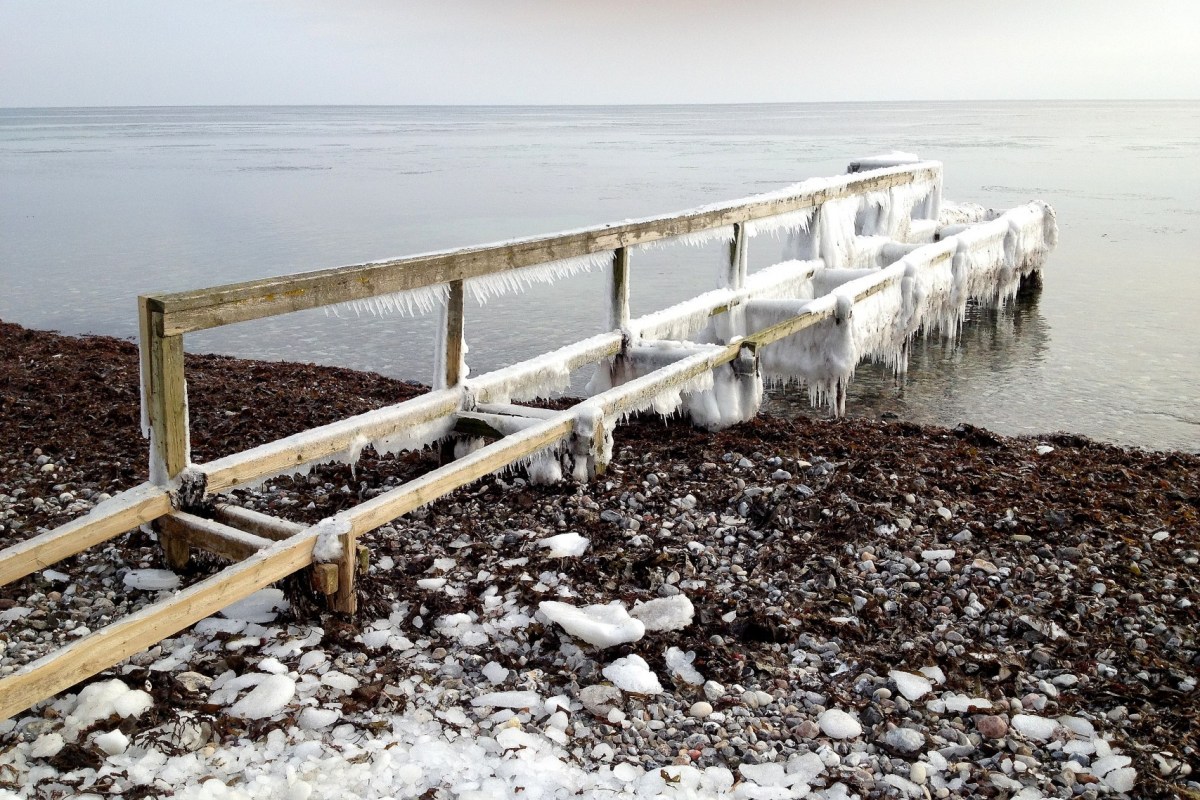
(515, 281)
(410, 303)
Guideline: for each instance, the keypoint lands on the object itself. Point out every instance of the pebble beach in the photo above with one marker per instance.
(789, 608)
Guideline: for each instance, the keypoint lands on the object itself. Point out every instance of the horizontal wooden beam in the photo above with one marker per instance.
(114, 643)
(212, 536)
(327, 441)
(256, 522)
(514, 410)
(107, 520)
(183, 312)
(491, 426)
(386, 507)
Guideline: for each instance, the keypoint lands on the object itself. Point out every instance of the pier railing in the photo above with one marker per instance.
(870, 239)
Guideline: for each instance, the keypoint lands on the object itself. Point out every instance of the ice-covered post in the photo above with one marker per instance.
(736, 276)
(164, 395)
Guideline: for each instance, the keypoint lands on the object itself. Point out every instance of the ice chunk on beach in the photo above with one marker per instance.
(530, 700)
(665, 613)
(151, 580)
(913, 687)
(633, 674)
(598, 625)
(564, 545)
(680, 664)
(837, 724)
(1115, 772)
(312, 719)
(261, 607)
(101, 700)
(268, 698)
(1031, 726)
(495, 673)
(47, 745)
(113, 742)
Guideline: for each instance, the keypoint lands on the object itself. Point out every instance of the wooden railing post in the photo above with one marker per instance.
(454, 334)
(619, 300)
(164, 394)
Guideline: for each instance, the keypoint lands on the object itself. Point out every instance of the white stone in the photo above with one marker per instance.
(701, 709)
(837, 724)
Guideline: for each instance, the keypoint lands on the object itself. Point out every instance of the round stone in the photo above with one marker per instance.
(991, 726)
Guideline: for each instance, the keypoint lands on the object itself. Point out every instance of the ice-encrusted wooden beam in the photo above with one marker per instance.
(184, 312)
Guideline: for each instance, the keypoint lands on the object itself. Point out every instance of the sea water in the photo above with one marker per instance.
(100, 205)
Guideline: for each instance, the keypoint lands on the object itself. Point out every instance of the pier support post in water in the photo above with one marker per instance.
(164, 394)
(454, 335)
(736, 277)
(618, 314)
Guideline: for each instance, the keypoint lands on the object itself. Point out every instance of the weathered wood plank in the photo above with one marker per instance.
(165, 393)
(345, 600)
(212, 536)
(112, 644)
(327, 441)
(111, 518)
(491, 426)
(514, 410)
(618, 316)
(256, 522)
(386, 507)
(207, 308)
(455, 322)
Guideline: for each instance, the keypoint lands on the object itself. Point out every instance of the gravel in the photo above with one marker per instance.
(1053, 592)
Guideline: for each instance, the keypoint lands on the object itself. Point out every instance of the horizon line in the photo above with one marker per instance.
(611, 105)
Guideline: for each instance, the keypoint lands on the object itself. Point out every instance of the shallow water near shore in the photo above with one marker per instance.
(100, 205)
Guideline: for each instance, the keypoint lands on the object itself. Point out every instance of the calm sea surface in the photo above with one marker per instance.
(100, 205)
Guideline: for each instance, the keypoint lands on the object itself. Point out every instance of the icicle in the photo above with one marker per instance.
(835, 228)
(542, 376)
(681, 320)
(413, 437)
(411, 303)
(781, 224)
(723, 233)
(484, 287)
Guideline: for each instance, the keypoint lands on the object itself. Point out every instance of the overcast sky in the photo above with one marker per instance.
(217, 52)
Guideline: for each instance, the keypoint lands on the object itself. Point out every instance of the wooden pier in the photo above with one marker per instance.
(875, 259)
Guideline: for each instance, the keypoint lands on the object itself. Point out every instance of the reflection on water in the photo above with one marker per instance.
(949, 380)
(100, 205)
